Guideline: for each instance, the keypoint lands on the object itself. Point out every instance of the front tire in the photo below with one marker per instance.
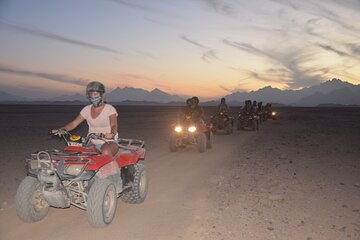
(229, 129)
(102, 202)
(201, 142)
(138, 191)
(210, 139)
(253, 127)
(30, 203)
(173, 143)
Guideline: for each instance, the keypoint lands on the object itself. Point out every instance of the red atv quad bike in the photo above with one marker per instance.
(190, 132)
(80, 175)
(222, 122)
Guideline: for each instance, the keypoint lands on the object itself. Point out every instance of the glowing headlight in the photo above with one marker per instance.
(74, 169)
(178, 129)
(273, 113)
(192, 129)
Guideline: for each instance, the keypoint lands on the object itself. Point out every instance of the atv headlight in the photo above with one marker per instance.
(74, 169)
(273, 113)
(178, 129)
(192, 129)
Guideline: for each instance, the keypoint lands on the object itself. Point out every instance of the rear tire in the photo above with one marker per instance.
(138, 191)
(101, 204)
(30, 203)
(201, 142)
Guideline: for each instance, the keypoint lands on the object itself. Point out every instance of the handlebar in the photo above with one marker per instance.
(69, 138)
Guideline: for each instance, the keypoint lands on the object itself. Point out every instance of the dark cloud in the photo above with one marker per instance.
(247, 48)
(131, 4)
(287, 3)
(144, 8)
(332, 16)
(185, 38)
(52, 36)
(351, 4)
(49, 76)
(221, 6)
(238, 88)
(208, 53)
(291, 70)
(354, 48)
(331, 49)
(316, 9)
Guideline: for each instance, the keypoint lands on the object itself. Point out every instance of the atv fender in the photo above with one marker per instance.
(112, 168)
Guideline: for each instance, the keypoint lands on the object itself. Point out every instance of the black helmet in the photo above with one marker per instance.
(195, 100)
(95, 87)
(188, 101)
(222, 100)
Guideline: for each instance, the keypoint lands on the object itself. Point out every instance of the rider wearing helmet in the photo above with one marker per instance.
(247, 109)
(95, 87)
(101, 117)
(186, 111)
(223, 107)
(196, 110)
(254, 106)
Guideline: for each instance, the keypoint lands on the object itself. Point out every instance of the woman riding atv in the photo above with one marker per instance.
(100, 116)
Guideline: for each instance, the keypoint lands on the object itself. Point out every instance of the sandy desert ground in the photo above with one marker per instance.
(296, 178)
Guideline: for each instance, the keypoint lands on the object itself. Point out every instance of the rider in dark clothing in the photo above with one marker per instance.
(247, 109)
(223, 107)
(187, 109)
(196, 110)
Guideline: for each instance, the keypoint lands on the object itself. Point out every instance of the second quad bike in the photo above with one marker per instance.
(248, 121)
(81, 176)
(222, 122)
(190, 132)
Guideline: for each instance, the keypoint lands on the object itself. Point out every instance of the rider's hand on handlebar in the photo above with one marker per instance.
(58, 132)
(109, 135)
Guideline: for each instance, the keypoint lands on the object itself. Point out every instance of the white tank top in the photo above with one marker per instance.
(100, 124)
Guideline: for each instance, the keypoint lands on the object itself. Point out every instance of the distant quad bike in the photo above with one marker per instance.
(190, 132)
(80, 175)
(272, 115)
(248, 121)
(222, 122)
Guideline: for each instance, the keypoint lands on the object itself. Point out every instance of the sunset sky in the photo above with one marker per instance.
(208, 48)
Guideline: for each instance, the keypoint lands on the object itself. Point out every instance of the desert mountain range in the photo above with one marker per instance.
(331, 92)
